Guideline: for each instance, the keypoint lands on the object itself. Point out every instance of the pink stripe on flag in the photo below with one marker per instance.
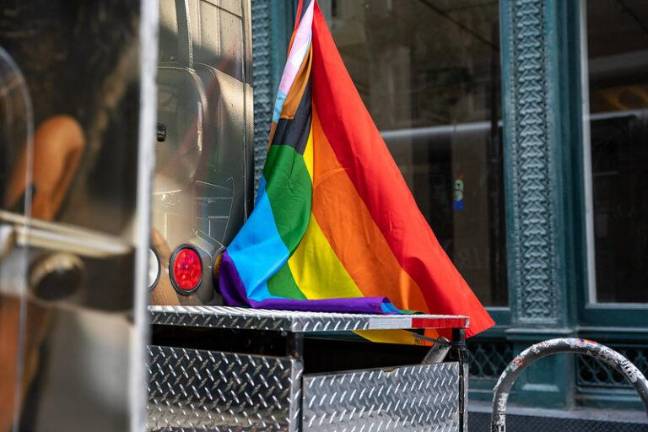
(298, 51)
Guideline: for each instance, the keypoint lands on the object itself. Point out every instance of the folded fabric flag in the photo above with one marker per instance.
(335, 227)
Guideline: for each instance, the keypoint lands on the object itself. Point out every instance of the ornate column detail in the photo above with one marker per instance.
(272, 23)
(536, 124)
(532, 260)
(262, 79)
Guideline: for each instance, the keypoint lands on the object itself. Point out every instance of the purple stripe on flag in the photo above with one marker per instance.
(360, 305)
(229, 283)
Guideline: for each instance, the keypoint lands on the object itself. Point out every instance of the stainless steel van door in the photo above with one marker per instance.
(74, 217)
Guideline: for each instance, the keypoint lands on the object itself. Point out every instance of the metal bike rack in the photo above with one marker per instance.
(556, 346)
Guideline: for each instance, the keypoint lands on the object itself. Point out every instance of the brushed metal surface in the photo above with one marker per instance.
(216, 391)
(413, 399)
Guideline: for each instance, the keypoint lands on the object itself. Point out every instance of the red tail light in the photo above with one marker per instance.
(186, 269)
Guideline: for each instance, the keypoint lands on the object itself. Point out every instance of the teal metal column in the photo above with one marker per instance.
(536, 124)
(272, 22)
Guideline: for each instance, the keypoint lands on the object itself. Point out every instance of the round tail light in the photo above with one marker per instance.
(186, 269)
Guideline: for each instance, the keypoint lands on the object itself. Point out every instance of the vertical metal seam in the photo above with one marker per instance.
(146, 161)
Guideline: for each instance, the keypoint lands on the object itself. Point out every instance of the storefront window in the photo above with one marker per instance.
(428, 71)
(616, 65)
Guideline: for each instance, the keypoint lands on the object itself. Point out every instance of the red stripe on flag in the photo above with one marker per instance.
(363, 153)
(298, 14)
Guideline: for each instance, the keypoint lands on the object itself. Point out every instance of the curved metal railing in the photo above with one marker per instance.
(556, 346)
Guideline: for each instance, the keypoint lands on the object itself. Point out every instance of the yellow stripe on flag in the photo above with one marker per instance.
(308, 153)
(314, 258)
(400, 337)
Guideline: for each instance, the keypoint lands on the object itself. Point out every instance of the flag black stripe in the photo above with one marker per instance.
(294, 132)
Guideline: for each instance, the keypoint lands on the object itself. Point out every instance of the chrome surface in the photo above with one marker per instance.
(550, 347)
(62, 237)
(216, 391)
(154, 269)
(16, 127)
(7, 239)
(202, 183)
(415, 398)
(292, 321)
(69, 363)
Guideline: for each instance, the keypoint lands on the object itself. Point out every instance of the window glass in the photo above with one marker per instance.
(428, 71)
(617, 70)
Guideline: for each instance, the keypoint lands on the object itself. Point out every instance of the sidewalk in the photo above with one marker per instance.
(578, 420)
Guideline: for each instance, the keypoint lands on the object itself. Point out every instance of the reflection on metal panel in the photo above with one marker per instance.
(80, 64)
(16, 124)
(417, 398)
(216, 391)
(202, 187)
(83, 379)
(67, 274)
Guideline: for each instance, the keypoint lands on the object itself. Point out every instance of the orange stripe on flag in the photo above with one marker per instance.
(353, 234)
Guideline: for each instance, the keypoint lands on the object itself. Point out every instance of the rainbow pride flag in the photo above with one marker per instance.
(335, 227)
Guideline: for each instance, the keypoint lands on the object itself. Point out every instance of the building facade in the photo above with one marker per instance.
(521, 127)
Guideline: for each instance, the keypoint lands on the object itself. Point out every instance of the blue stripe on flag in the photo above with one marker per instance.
(279, 103)
(258, 251)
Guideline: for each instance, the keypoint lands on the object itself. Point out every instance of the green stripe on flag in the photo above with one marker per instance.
(282, 284)
(290, 191)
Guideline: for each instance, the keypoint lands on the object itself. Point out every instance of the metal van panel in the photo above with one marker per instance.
(202, 188)
(80, 358)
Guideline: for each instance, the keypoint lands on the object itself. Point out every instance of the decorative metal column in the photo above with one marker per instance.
(535, 181)
(271, 24)
(531, 226)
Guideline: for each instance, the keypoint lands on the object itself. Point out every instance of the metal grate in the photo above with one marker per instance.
(488, 359)
(593, 373)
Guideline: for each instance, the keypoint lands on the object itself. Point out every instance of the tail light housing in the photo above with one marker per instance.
(153, 275)
(186, 269)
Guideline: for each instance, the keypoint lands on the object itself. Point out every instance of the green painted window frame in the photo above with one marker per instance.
(558, 33)
(594, 318)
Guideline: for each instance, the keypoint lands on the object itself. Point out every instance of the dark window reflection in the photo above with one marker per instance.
(617, 37)
(428, 71)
